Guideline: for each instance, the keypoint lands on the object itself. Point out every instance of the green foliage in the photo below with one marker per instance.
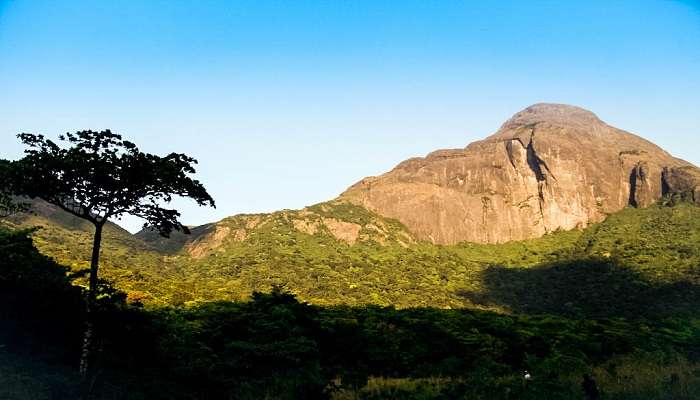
(100, 176)
(661, 243)
(276, 347)
(8, 203)
(630, 274)
(132, 264)
(645, 261)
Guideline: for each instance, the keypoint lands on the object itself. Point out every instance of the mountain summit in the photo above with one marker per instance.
(549, 167)
(560, 114)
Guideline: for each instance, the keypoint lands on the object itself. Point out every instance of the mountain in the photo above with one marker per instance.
(645, 261)
(550, 167)
(390, 240)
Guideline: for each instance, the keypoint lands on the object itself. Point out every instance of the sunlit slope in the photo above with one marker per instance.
(127, 261)
(338, 253)
(638, 261)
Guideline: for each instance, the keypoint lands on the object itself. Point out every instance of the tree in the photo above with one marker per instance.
(97, 177)
(8, 205)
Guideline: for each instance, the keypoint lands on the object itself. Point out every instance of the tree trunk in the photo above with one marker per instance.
(86, 354)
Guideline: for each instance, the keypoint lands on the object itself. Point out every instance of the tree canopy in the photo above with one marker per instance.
(101, 176)
(8, 205)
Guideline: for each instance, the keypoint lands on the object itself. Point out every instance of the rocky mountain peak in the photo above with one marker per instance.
(561, 118)
(555, 114)
(549, 167)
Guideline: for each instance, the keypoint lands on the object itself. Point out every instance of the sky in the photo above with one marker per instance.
(287, 103)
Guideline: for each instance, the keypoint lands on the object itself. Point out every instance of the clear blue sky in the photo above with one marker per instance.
(286, 103)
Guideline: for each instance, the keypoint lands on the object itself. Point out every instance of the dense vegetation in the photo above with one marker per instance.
(618, 300)
(642, 260)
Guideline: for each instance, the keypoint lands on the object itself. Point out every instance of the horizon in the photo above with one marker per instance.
(286, 105)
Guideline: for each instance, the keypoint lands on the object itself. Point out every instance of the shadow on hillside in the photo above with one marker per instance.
(176, 242)
(593, 288)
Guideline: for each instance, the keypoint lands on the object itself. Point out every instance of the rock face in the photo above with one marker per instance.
(549, 167)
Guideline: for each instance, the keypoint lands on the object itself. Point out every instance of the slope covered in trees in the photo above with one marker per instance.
(640, 260)
(273, 346)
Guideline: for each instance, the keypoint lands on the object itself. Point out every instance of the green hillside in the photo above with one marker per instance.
(645, 260)
(130, 263)
(617, 300)
(274, 347)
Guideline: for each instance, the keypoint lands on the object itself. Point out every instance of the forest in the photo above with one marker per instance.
(620, 317)
(329, 302)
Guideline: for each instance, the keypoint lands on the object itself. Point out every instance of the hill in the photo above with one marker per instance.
(644, 260)
(273, 346)
(127, 260)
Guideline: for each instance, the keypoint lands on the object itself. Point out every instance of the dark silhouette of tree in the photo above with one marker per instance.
(8, 205)
(99, 176)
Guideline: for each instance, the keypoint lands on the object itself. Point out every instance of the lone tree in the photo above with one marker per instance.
(99, 176)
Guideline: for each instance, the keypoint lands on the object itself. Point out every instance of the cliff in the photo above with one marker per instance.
(550, 167)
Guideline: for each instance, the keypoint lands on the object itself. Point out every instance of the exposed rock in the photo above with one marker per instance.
(642, 190)
(341, 230)
(549, 167)
(205, 244)
(239, 235)
(253, 222)
(308, 227)
(682, 183)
